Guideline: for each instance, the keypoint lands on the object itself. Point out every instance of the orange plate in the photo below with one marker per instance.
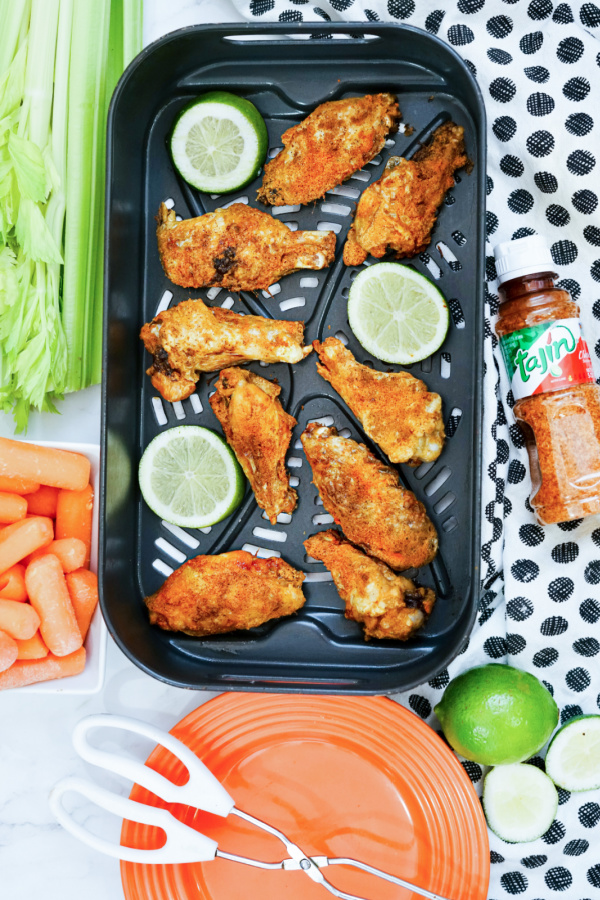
(354, 776)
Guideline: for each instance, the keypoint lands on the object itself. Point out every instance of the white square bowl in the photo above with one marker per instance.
(89, 681)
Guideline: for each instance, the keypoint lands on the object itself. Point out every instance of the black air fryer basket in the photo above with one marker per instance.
(317, 650)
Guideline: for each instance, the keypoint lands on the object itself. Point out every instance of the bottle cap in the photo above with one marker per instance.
(525, 256)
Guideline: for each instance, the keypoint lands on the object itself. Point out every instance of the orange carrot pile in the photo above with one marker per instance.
(47, 593)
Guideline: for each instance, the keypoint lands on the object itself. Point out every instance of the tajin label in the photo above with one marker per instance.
(548, 357)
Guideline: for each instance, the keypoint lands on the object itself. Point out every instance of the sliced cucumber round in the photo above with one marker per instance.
(219, 142)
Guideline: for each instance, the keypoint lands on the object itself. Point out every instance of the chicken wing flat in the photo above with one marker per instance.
(191, 338)
(398, 212)
(365, 497)
(216, 594)
(396, 409)
(259, 431)
(386, 604)
(327, 147)
(238, 248)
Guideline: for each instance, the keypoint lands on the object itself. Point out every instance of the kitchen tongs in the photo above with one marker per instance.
(183, 844)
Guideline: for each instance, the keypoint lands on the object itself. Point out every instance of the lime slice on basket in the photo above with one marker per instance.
(189, 476)
(219, 142)
(519, 801)
(573, 758)
(397, 314)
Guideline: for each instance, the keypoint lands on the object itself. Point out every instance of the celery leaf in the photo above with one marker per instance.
(33, 234)
(29, 168)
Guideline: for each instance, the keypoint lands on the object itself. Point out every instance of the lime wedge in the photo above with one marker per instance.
(519, 801)
(573, 758)
(219, 142)
(189, 477)
(398, 315)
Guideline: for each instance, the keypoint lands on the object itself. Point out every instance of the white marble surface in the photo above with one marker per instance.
(37, 857)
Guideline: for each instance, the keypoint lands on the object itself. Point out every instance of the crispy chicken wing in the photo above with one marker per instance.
(386, 604)
(191, 338)
(332, 143)
(398, 212)
(365, 497)
(215, 594)
(238, 248)
(259, 432)
(396, 409)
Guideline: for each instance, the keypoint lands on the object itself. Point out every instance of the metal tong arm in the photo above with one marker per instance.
(381, 874)
(202, 790)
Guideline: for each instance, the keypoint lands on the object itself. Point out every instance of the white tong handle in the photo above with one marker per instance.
(202, 791)
(183, 843)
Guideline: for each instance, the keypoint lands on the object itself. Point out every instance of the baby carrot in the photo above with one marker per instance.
(22, 538)
(18, 485)
(32, 648)
(13, 507)
(74, 516)
(30, 671)
(19, 620)
(71, 553)
(49, 596)
(8, 651)
(43, 502)
(83, 590)
(12, 584)
(58, 468)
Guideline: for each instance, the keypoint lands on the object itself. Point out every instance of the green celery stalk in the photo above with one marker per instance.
(125, 42)
(39, 77)
(132, 29)
(14, 21)
(113, 71)
(55, 212)
(88, 46)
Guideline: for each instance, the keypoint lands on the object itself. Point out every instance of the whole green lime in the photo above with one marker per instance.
(496, 715)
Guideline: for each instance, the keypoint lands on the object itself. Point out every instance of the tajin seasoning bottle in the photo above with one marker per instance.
(557, 401)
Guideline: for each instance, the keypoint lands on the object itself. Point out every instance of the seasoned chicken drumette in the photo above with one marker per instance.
(193, 338)
(396, 409)
(327, 147)
(238, 248)
(365, 497)
(398, 212)
(259, 431)
(386, 604)
(216, 594)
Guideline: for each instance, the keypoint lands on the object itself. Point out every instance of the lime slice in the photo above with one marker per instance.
(397, 314)
(190, 477)
(219, 142)
(519, 801)
(573, 758)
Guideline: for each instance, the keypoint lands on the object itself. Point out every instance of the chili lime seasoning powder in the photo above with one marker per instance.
(557, 402)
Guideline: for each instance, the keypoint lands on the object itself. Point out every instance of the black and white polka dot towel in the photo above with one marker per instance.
(538, 66)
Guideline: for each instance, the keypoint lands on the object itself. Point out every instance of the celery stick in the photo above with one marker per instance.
(90, 27)
(55, 211)
(95, 258)
(132, 29)
(113, 71)
(39, 77)
(14, 20)
(125, 42)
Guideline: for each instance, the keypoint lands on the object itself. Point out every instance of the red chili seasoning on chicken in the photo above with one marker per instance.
(557, 401)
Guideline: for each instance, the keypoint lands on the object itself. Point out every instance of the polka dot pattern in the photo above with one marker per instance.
(537, 64)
